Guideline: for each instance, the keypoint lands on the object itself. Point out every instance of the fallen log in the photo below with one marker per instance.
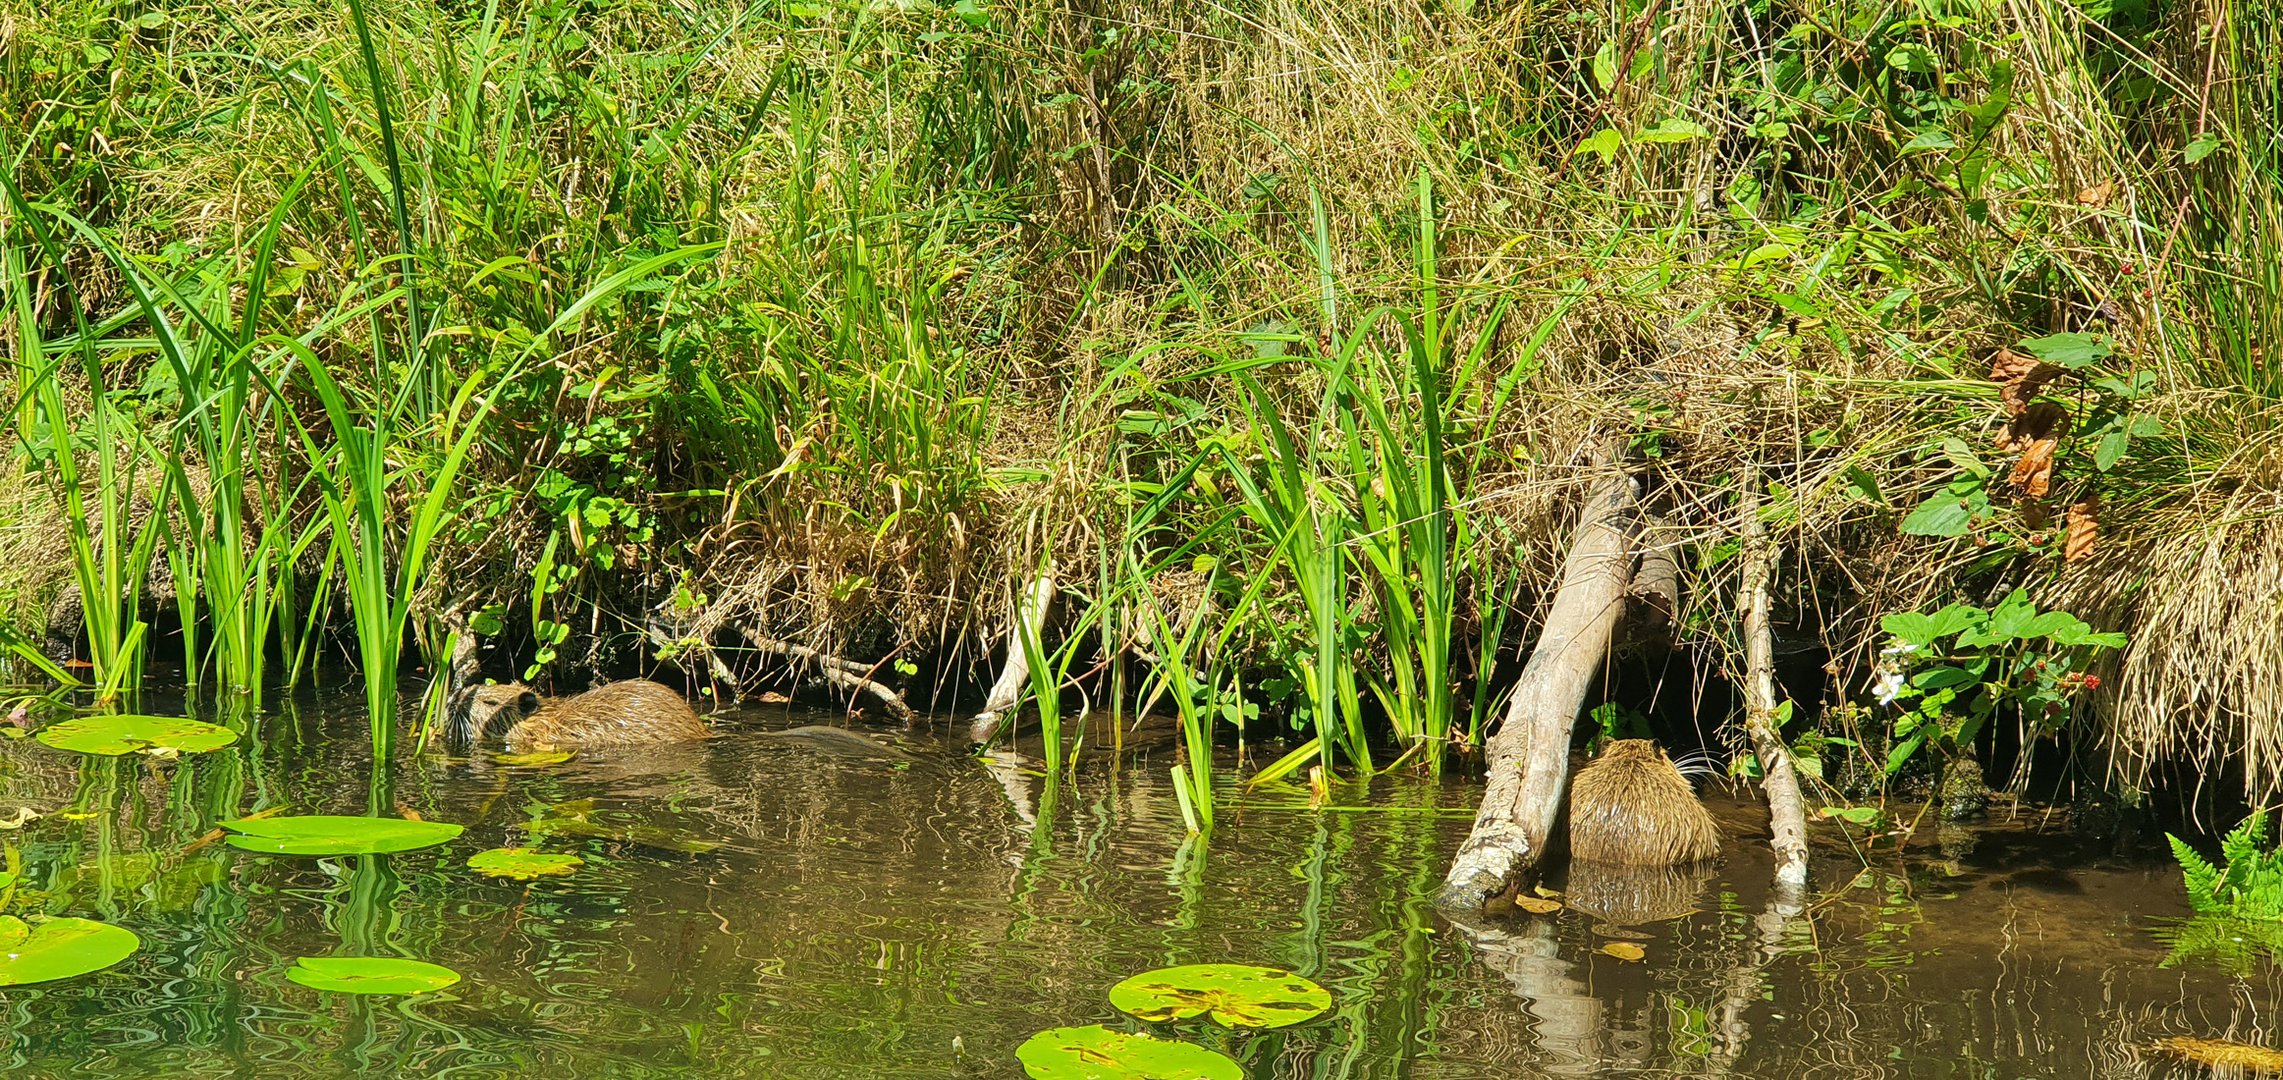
(846, 674)
(1007, 691)
(1779, 780)
(1528, 758)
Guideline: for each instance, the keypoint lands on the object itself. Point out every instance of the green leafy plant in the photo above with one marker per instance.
(2247, 883)
(1950, 672)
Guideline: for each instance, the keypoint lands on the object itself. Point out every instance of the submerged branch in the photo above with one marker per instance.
(846, 674)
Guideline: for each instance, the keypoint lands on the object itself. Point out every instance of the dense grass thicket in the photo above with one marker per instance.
(1281, 335)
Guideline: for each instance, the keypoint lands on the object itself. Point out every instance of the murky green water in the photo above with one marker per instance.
(919, 918)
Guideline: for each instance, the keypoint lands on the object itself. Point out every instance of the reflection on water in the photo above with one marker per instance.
(919, 916)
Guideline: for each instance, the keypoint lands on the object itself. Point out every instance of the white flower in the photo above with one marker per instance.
(1888, 688)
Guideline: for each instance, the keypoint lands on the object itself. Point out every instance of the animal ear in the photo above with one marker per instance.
(527, 702)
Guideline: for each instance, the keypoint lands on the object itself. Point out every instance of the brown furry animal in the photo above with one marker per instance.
(636, 712)
(1631, 807)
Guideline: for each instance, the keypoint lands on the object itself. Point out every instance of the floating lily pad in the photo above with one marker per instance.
(573, 819)
(536, 757)
(326, 834)
(2223, 1053)
(522, 864)
(370, 974)
(1624, 950)
(111, 736)
(59, 948)
(1235, 995)
(1095, 1052)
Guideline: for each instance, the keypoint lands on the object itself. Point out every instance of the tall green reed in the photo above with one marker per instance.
(110, 557)
(226, 509)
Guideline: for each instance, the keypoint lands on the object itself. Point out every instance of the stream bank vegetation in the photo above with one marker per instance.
(1901, 364)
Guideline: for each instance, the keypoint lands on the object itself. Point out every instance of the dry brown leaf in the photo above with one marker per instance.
(1537, 905)
(2033, 474)
(2083, 531)
(1550, 894)
(2019, 377)
(2222, 1052)
(2044, 420)
(2096, 196)
(1624, 950)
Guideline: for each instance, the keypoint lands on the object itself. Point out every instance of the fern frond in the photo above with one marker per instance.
(2242, 845)
(2202, 879)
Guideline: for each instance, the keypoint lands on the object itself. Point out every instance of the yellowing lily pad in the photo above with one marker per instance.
(1537, 905)
(522, 864)
(1234, 995)
(1095, 1052)
(112, 736)
(536, 757)
(370, 974)
(2223, 1053)
(59, 948)
(1624, 950)
(326, 834)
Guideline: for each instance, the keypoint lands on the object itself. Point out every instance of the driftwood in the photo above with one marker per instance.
(1655, 590)
(846, 674)
(1528, 759)
(1030, 618)
(1787, 814)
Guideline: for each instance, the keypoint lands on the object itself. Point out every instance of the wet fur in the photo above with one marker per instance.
(1631, 807)
(636, 712)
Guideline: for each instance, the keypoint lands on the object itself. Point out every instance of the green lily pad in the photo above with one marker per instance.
(111, 736)
(522, 864)
(1235, 995)
(370, 974)
(535, 757)
(326, 834)
(1095, 1052)
(59, 948)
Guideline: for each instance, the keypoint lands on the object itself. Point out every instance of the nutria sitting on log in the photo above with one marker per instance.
(636, 712)
(1631, 806)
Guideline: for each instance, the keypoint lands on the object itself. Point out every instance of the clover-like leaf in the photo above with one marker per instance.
(1234, 995)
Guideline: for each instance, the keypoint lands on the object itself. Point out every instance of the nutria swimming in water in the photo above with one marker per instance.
(636, 712)
(1630, 806)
